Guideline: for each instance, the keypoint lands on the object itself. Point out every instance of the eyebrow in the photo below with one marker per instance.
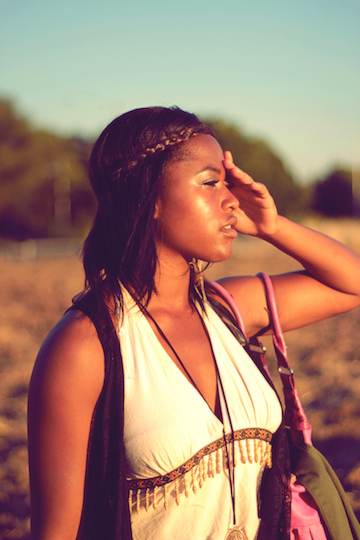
(209, 168)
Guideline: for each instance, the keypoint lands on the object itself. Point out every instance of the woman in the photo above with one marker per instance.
(130, 442)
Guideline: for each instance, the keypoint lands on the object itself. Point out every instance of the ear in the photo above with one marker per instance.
(157, 213)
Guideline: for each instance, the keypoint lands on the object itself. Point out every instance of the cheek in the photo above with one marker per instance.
(186, 207)
(191, 214)
(171, 206)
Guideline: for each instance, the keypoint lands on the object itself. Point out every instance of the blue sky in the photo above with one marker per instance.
(286, 71)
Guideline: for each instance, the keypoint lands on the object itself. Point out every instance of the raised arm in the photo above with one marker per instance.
(64, 388)
(330, 283)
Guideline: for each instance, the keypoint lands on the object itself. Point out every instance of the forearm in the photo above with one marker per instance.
(331, 284)
(327, 260)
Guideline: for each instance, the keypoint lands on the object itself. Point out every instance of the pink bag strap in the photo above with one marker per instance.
(225, 295)
(278, 336)
(295, 416)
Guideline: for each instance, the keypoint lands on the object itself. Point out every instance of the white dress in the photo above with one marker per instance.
(179, 485)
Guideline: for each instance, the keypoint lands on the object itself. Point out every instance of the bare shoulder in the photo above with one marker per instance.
(71, 357)
(65, 386)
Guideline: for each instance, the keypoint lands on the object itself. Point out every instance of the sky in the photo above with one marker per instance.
(284, 71)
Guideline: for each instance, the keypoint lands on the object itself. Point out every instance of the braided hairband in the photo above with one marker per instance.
(171, 140)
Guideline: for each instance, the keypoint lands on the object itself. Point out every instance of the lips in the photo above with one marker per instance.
(228, 229)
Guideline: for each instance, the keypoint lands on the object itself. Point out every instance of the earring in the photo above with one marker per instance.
(197, 265)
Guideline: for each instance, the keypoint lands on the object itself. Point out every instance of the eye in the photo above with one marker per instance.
(211, 182)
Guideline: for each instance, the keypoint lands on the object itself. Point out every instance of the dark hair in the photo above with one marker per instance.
(126, 169)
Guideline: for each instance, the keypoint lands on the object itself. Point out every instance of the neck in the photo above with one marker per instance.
(172, 283)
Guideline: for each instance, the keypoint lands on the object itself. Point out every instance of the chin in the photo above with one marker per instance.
(220, 257)
(221, 254)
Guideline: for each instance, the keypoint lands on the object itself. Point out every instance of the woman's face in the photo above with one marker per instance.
(195, 209)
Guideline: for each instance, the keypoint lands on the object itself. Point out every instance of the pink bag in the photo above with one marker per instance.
(305, 520)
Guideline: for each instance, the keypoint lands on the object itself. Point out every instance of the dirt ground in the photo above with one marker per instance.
(326, 357)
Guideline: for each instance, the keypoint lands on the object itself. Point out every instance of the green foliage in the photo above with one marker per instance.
(333, 195)
(257, 159)
(40, 173)
(44, 189)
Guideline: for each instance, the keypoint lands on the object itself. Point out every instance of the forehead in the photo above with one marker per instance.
(200, 147)
(194, 157)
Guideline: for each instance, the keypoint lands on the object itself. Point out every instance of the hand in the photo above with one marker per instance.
(257, 214)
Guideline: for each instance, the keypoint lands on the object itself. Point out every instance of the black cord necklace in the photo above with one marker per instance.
(231, 463)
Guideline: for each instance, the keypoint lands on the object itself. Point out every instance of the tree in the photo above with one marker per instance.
(45, 190)
(43, 181)
(333, 196)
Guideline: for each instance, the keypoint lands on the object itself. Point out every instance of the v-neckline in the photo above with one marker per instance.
(188, 378)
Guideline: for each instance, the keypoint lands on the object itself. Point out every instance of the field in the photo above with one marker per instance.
(35, 292)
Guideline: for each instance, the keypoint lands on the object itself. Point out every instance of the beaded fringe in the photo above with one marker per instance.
(246, 451)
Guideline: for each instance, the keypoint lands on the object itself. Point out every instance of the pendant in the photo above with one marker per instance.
(237, 533)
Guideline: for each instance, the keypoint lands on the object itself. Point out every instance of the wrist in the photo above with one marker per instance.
(271, 233)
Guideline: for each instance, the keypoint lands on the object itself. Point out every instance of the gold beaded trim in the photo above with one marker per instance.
(253, 445)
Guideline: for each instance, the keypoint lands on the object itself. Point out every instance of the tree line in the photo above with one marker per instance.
(45, 192)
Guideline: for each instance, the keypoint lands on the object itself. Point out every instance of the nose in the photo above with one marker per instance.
(229, 202)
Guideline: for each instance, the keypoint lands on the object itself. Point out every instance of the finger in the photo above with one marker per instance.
(250, 184)
(260, 189)
(228, 156)
(253, 190)
(237, 173)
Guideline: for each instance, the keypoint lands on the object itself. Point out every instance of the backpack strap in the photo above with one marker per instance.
(233, 319)
(225, 295)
